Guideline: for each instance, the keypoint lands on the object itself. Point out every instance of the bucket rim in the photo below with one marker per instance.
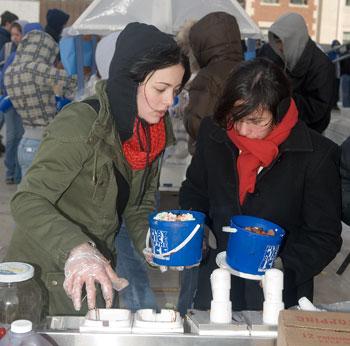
(180, 212)
(281, 231)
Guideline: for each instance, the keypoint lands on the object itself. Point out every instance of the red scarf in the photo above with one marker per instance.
(260, 152)
(136, 157)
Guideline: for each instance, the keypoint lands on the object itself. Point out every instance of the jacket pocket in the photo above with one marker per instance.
(59, 302)
(101, 185)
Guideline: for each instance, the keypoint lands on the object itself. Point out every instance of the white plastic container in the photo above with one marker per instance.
(221, 306)
(22, 334)
(148, 321)
(108, 321)
(272, 287)
(221, 312)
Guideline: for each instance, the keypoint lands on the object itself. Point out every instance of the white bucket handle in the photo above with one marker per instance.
(229, 229)
(178, 248)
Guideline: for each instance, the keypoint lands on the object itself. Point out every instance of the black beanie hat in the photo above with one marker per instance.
(56, 19)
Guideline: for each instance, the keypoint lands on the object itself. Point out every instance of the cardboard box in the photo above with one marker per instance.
(309, 328)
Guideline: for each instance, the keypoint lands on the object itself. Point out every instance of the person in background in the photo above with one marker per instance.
(265, 51)
(216, 45)
(334, 54)
(130, 265)
(97, 166)
(183, 40)
(14, 127)
(6, 19)
(56, 20)
(16, 31)
(311, 71)
(345, 77)
(256, 157)
(30, 82)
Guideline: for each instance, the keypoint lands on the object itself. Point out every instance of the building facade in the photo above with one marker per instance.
(35, 10)
(326, 19)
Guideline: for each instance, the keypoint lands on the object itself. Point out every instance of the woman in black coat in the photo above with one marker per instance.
(254, 157)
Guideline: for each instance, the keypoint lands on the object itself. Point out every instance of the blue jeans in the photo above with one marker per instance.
(345, 85)
(14, 133)
(189, 281)
(2, 121)
(26, 152)
(130, 265)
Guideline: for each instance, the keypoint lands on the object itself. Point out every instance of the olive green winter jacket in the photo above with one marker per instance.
(69, 196)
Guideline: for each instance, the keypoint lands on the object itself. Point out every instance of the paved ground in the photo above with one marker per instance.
(329, 286)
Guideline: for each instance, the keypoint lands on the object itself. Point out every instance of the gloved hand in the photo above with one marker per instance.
(149, 258)
(86, 264)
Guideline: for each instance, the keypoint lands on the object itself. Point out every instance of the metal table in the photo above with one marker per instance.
(246, 329)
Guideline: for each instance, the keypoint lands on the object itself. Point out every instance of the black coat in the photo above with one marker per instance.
(345, 179)
(313, 84)
(300, 191)
(5, 36)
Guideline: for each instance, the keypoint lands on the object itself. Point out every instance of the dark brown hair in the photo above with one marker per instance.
(260, 84)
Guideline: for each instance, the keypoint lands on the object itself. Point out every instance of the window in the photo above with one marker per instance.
(265, 33)
(298, 2)
(347, 3)
(346, 36)
(270, 1)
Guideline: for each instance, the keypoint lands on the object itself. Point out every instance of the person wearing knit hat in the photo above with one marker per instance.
(98, 164)
(56, 20)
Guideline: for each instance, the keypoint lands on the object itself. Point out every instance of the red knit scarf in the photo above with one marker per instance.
(136, 157)
(260, 152)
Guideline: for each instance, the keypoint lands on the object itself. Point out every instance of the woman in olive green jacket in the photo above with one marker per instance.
(98, 163)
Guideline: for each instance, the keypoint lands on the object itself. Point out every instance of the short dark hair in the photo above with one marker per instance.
(159, 58)
(260, 83)
(7, 17)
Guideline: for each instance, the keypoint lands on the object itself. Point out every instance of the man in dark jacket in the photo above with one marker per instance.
(216, 44)
(6, 19)
(311, 71)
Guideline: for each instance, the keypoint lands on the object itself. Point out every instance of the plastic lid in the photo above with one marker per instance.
(21, 326)
(15, 271)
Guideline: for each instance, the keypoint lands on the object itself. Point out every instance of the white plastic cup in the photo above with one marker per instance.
(271, 312)
(220, 312)
(273, 285)
(220, 278)
(221, 294)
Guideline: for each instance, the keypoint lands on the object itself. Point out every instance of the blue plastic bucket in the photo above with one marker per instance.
(249, 252)
(168, 236)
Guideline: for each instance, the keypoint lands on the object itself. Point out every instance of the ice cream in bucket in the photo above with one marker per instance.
(253, 244)
(176, 237)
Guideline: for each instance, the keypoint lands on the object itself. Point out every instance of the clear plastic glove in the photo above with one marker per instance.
(149, 258)
(85, 265)
(58, 89)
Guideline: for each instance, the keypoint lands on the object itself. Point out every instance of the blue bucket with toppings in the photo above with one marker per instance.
(248, 251)
(176, 243)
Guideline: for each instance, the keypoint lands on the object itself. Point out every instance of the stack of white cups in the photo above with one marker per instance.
(273, 287)
(221, 306)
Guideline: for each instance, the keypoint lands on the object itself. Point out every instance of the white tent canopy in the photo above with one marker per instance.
(105, 16)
